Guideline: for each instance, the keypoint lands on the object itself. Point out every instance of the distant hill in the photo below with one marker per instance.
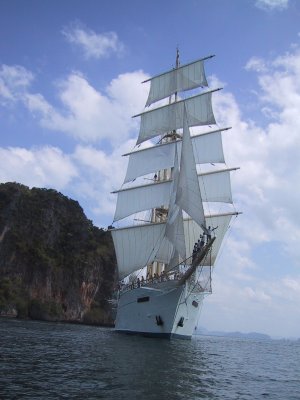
(251, 335)
(54, 264)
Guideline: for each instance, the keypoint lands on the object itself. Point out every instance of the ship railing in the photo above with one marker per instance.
(174, 274)
(197, 286)
(197, 260)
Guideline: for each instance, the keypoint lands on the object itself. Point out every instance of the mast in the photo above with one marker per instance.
(177, 66)
(160, 214)
(175, 189)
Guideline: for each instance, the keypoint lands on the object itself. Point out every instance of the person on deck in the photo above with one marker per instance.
(208, 232)
(194, 251)
(202, 241)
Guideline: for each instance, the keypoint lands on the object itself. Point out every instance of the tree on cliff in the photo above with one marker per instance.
(54, 264)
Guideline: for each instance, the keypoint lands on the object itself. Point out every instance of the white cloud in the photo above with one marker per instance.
(90, 115)
(40, 167)
(37, 104)
(94, 45)
(88, 174)
(272, 4)
(267, 187)
(101, 174)
(253, 285)
(256, 64)
(268, 306)
(14, 80)
(87, 114)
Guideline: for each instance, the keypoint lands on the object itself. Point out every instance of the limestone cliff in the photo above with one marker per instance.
(54, 264)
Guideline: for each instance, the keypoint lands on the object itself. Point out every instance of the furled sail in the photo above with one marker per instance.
(186, 77)
(170, 117)
(207, 149)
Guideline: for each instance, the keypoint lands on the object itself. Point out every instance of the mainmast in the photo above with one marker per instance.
(161, 214)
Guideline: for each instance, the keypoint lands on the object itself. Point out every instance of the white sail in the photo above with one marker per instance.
(174, 260)
(174, 226)
(136, 246)
(165, 251)
(150, 160)
(186, 77)
(192, 233)
(188, 194)
(140, 198)
(170, 117)
(215, 186)
(207, 149)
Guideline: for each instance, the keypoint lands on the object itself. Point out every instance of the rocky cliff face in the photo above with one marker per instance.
(54, 264)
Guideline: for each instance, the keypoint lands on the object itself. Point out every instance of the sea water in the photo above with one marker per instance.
(41, 360)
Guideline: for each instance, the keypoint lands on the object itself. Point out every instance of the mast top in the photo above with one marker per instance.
(177, 58)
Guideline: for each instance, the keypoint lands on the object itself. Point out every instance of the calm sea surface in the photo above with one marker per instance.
(61, 361)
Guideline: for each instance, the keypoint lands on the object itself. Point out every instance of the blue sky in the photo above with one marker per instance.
(70, 76)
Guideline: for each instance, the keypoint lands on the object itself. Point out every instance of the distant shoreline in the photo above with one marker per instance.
(237, 335)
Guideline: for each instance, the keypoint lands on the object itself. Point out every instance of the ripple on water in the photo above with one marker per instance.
(50, 361)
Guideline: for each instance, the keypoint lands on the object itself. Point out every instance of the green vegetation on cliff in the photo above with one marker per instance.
(54, 264)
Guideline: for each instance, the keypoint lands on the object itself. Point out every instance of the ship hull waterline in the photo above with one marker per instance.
(163, 310)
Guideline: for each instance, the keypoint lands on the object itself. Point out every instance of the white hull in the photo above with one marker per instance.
(162, 310)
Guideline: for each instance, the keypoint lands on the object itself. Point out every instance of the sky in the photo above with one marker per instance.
(70, 81)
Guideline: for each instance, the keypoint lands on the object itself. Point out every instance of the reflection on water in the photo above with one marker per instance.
(50, 361)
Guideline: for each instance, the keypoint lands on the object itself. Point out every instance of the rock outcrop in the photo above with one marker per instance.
(54, 264)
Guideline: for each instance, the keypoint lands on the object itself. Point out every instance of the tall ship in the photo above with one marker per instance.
(173, 209)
